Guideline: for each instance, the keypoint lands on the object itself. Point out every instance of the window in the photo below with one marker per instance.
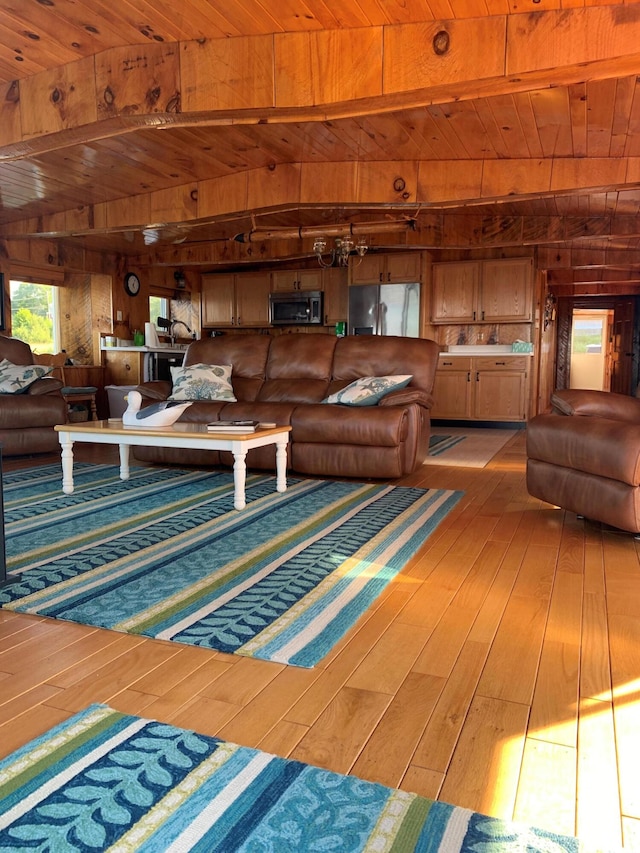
(34, 315)
(158, 307)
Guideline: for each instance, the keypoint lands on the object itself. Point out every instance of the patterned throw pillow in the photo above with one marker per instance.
(16, 378)
(202, 382)
(368, 390)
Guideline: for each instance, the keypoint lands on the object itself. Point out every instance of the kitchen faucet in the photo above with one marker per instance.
(172, 334)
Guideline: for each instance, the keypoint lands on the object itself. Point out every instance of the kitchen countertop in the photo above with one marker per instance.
(481, 349)
(168, 348)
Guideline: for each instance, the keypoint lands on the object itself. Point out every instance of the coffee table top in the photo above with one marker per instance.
(116, 427)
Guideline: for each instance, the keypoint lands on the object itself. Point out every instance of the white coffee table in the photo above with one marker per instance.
(194, 436)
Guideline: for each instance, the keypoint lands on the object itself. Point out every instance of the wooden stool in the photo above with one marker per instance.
(82, 395)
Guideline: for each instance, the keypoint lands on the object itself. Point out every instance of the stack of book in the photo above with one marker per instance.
(232, 426)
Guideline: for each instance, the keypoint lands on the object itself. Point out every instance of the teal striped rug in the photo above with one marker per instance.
(108, 781)
(164, 554)
(440, 443)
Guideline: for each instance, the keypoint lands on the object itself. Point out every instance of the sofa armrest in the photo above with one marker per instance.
(596, 404)
(45, 385)
(156, 389)
(403, 396)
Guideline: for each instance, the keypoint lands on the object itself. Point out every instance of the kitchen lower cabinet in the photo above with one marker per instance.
(482, 388)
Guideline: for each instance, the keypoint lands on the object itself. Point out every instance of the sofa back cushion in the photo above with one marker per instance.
(15, 350)
(247, 355)
(382, 355)
(299, 368)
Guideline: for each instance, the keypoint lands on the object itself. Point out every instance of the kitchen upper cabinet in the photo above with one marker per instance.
(336, 297)
(218, 300)
(240, 299)
(376, 269)
(454, 292)
(506, 290)
(289, 280)
(496, 291)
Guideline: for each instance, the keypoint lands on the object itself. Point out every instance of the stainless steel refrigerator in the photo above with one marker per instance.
(385, 309)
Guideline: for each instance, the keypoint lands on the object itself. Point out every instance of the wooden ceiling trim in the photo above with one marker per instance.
(535, 41)
(328, 66)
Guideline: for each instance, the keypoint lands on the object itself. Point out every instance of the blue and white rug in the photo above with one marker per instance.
(164, 554)
(105, 781)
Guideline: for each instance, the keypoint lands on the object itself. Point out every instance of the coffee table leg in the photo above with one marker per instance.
(66, 444)
(281, 466)
(239, 478)
(124, 461)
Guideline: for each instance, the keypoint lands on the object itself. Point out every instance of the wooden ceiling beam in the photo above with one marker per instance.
(275, 78)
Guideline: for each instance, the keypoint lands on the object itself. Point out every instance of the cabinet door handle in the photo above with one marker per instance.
(478, 376)
(447, 363)
(474, 315)
(483, 315)
(468, 376)
(503, 363)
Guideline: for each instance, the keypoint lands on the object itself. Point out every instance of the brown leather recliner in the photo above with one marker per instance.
(584, 456)
(27, 419)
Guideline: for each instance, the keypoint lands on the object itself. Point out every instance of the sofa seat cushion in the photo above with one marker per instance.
(330, 424)
(598, 446)
(277, 413)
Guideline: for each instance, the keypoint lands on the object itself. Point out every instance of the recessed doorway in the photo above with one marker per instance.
(591, 337)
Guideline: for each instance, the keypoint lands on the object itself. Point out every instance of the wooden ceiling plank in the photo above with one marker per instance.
(578, 107)
(502, 126)
(601, 95)
(441, 116)
(625, 88)
(413, 122)
(465, 121)
(551, 109)
(632, 147)
(527, 118)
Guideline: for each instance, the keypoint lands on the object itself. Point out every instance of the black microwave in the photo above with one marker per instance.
(295, 309)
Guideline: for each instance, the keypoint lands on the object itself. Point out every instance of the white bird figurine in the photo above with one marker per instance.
(156, 415)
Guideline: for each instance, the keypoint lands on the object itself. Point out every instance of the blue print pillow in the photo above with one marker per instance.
(202, 382)
(16, 378)
(368, 390)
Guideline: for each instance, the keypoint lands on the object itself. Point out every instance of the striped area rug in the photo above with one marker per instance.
(108, 781)
(165, 555)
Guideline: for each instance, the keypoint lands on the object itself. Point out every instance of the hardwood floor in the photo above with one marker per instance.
(500, 671)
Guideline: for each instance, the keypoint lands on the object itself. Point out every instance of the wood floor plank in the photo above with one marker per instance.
(598, 802)
(35, 721)
(442, 732)
(547, 787)
(554, 711)
(486, 763)
(388, 751)
(337, 737)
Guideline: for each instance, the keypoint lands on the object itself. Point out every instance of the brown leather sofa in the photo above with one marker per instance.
(584, 456)
(283, 379)
(27, 419)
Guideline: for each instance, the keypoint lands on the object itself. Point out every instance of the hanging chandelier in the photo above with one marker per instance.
(341, 251)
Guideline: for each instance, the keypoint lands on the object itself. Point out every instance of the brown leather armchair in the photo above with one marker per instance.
(27, 419)
(584, 456)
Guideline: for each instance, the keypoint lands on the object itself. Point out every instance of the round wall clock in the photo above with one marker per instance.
(132, 284)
